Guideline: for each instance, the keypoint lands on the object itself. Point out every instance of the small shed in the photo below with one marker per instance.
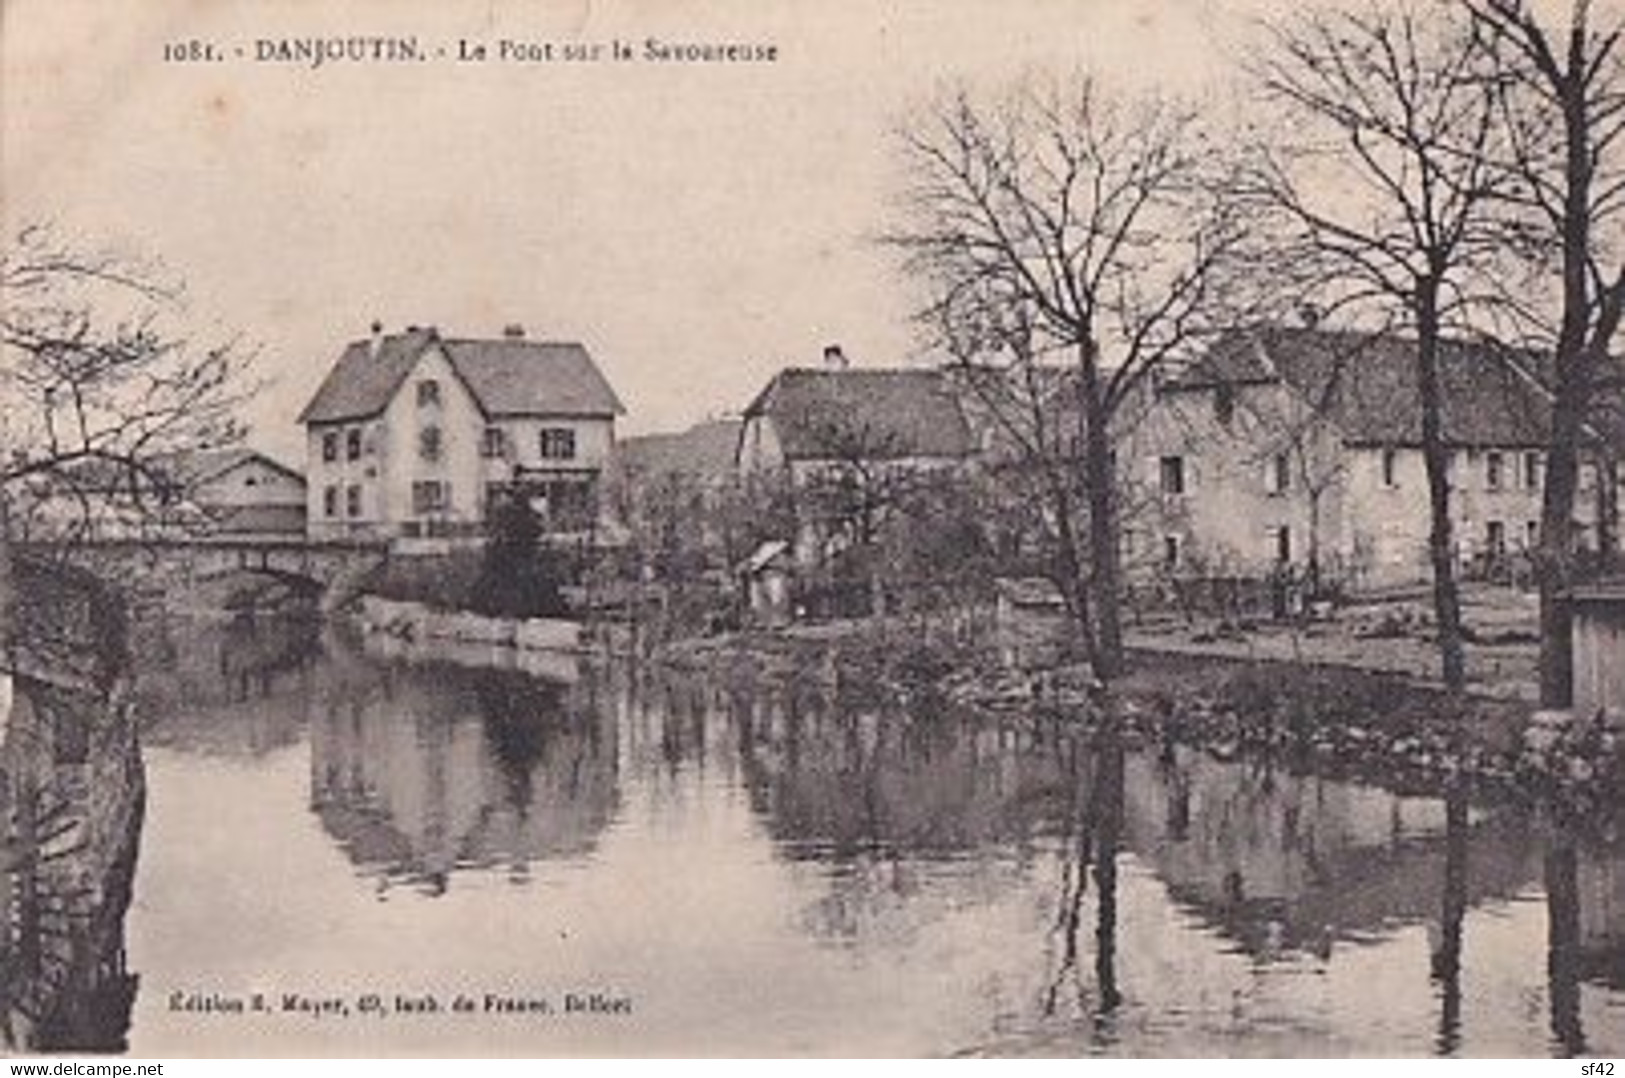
(1029, 619)
(1599, 650)
(766, 577)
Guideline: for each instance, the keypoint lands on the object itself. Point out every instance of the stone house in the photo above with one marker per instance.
(862, 430)
(413, 436)
(1300, 447)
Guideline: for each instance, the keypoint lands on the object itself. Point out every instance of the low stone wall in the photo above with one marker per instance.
(416, 621)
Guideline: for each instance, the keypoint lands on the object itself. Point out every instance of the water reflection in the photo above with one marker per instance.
(418, 771)
(230, 688)
(871, 871)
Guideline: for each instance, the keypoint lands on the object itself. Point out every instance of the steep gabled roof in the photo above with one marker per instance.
(513, 376)
(891, 414)
(508, 376)
(1366, 383)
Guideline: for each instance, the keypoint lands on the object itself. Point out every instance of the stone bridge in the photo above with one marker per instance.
(210, 569)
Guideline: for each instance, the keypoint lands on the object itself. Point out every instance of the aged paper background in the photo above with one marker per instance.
(697, 224)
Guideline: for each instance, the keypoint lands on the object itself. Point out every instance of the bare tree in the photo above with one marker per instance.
(98, 381)
(863, 482)
(1059, 222)
(1389, 186)
(1566, 116)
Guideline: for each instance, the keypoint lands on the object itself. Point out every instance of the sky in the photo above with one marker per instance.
(698, 227)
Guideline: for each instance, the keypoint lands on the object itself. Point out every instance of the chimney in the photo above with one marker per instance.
(377, 343)
(1310, 314)
(834, 358)
(513, 331)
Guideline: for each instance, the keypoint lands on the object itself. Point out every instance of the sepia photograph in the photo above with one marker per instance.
(876, 528)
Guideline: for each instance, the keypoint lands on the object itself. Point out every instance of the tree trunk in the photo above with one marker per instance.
(1099, 484)
(1069, 570)
(1554, 562)
(1441, 543)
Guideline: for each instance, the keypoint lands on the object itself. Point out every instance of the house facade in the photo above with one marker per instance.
(414, 437)
(1299, 448)
(857, 435)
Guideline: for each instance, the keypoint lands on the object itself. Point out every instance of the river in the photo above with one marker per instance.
(628, 863)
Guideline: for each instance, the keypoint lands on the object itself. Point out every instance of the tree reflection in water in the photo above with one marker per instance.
(1095, 775)
(422, 771)
(1563, 955)
(1447, 955)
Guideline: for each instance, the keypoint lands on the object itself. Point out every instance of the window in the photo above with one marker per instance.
(352, 501)
(430, 496)
(429, 443)
(496, 495)
(1172, 475)
(330, 446)
(493, 444)
(1531, 535)
(1390, 468)
(352, 443)
(1494, 471)
(251, 481)
(1495, 539)
(1534, 470)
(428, 393)
(1170, 552)
(1283, 545)
(330, 501)
(558, 443)
(1224, 404)
(1278, 477)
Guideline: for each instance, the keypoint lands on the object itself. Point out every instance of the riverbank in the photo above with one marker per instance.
(1355, 697)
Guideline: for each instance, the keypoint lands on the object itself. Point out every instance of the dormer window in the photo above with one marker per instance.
(428, 393)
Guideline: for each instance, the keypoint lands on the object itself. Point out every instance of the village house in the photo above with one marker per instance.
(837, 425)
(1300, 448)
(186, 493)
(242, 491)
(413, 436)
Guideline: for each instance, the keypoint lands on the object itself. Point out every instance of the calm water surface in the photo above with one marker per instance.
(762, 871)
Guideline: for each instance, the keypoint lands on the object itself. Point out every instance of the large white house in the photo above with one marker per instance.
(413, 436)
(1301, 446)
